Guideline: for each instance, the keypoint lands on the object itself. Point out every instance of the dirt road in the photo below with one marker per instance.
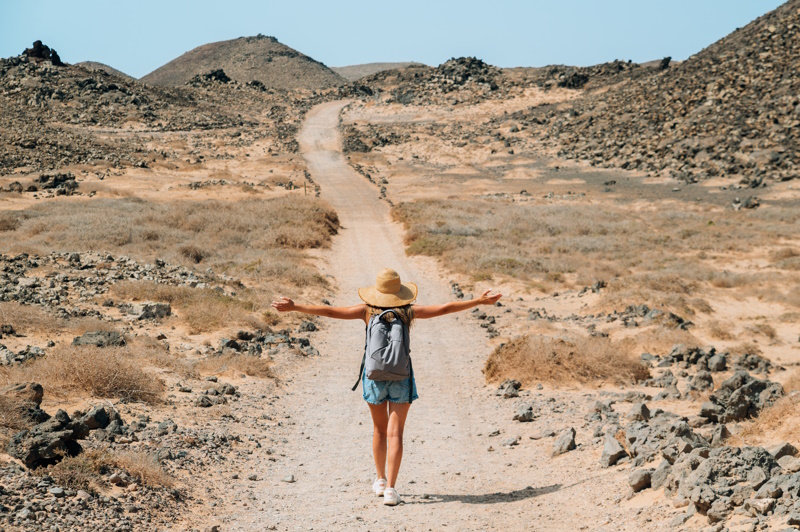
(449, 477)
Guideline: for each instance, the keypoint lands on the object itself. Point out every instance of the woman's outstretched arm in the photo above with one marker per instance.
(432, 311)
(357, 312)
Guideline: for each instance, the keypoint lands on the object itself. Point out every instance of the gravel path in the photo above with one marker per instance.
(449, 478)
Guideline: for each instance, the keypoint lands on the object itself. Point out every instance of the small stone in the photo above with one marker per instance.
(288, 478)
(252, 477)
(117, 480)
(790, 463)
(524, 414)
(56, 492)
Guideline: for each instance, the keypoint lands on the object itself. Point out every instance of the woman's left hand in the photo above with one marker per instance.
(284, 304)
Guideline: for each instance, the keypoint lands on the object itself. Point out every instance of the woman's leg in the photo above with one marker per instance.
(380, 422)
(397, 421)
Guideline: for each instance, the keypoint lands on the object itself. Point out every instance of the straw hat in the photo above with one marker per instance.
(388, 291)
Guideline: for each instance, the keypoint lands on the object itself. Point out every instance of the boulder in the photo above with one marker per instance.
(31, 392)
(717, 363)
(640, 479)
(612, 451)
(565, 442)
(782, 449)
(740, 397)
(154, 311)
(639, 412)
(524, 414)
(100, 339)
(47, 442)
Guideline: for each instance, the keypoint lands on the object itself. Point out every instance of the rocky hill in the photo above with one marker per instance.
(54, 114)
(94, 65)
(730, 110)
(356, 72)
(246, 59)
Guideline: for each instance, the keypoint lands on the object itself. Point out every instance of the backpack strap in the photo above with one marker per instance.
(363, 358)
(410, 382)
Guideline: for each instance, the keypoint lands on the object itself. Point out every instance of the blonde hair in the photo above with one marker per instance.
(406, 313)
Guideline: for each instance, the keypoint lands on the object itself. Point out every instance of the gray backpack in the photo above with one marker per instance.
(387, 351)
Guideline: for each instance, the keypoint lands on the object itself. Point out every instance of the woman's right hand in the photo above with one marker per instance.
(284, 304)
(487, 299)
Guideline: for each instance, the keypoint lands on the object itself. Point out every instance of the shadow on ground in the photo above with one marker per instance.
(488, 498)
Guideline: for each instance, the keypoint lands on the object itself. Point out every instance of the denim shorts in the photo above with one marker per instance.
(377, 392)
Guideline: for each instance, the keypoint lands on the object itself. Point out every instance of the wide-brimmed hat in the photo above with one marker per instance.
(388, 291)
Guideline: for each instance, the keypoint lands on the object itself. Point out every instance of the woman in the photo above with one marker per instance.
(388, 401)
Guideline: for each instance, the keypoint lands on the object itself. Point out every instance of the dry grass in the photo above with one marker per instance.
(86, 471)
(780, 421)
(203, 309)
(764, 329)
(584, 360)
(720, 331)
(100, 372)
(262, 239)
(664, 257)
(239, 363)
(12, 419)
(661, 340)
(33, 320)
(144, 467)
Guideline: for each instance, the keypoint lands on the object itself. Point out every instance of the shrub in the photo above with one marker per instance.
(560, 360)
(86, 470)
(101, 372)
(192, 252)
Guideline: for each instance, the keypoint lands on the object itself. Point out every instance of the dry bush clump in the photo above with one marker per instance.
(562, 360)
(9, 222)
(765, 329)
(720, 331)
(144, 467)
(203, 309)
(12, 419)
(780, 421)
(746, 348)
(86, 470)
(111, 372)
(252, 236)
(236, 362)
(792, 384)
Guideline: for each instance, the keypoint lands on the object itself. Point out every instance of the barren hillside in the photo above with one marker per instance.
(356, 72)
(259, 58)
(94, 65)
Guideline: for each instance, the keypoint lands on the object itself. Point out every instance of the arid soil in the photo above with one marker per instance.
(642, 221)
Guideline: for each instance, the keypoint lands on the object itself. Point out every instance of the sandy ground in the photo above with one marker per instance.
(456, 474)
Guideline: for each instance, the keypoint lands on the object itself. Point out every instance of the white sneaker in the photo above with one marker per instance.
(379, 486)
(390, 497)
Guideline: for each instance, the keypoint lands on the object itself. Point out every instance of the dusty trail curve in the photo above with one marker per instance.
(448, 478)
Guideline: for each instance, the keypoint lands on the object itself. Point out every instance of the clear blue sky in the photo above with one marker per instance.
(137, 37)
